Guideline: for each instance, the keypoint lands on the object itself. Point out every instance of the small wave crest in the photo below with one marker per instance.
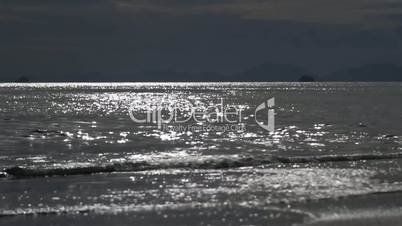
(95, 208)
(114, 209)
(202, 162)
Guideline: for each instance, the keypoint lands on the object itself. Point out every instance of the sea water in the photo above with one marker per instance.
(71, 151)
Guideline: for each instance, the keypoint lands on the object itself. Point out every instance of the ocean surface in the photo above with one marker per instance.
(71, 155)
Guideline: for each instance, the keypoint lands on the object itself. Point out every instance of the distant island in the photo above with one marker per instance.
(306, 78)
(366, 73)
(22, 79)
(267, 72)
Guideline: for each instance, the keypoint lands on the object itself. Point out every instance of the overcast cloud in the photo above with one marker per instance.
(57, 38)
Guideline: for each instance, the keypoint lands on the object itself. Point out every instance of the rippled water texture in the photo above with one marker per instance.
(70, 151)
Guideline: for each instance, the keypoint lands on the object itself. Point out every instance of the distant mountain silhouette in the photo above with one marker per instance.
(369, 72)
(172, 76)
(210, 77)
(267, 72)
(271, 72)
(306, 78)
(23, 79)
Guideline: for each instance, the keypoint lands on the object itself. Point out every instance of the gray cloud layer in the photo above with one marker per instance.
(52, 38)
(363, 12)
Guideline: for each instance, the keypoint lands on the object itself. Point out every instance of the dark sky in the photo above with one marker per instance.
(59, 39)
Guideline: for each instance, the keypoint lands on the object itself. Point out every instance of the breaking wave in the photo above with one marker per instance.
(201, 162)
(116, 209)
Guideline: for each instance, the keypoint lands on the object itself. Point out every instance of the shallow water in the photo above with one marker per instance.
(331, 140)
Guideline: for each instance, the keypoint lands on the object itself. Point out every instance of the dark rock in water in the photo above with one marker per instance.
(15, 170)
(306, 78)
(40, 131)
(389, 136)
(362, 125)
(49, 132)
